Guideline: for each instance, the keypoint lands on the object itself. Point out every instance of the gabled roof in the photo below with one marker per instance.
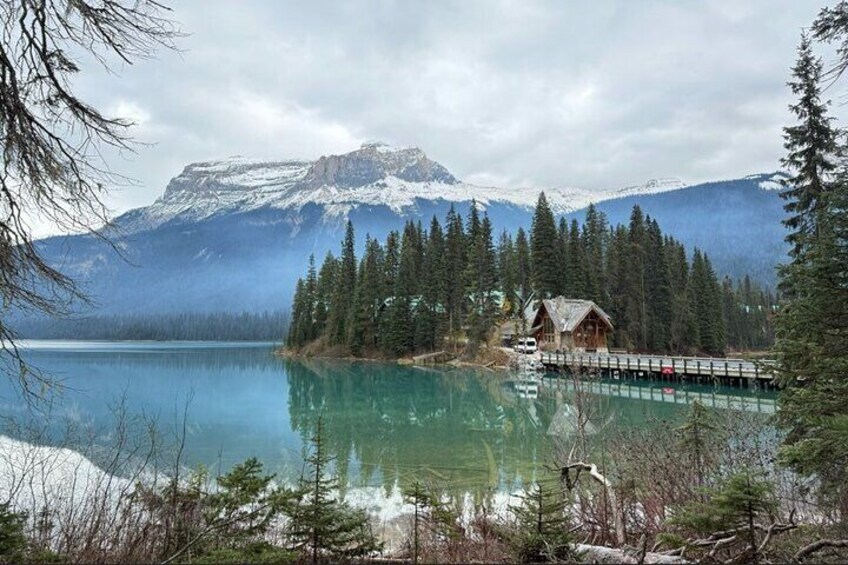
(567, 313)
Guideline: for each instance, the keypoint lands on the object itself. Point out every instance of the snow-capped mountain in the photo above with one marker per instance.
(373, 175)
(235, 234)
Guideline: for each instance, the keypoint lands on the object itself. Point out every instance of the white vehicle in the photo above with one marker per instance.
(526, 345)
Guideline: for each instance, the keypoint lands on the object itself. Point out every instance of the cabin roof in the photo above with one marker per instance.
(567, 313)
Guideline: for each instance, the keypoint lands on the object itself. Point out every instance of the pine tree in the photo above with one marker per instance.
(367, 300)
(658, 289)
(542, 522)
(700, 440)
(564, 278)
(618, 277)
(325, 288)
(811, 146)
(594, 243)
(321, 525)
(507, 274)
(481, 277)
(812, 325)
(429, 319)
(705, 303)
(543, 251)
(635, 289)
(576, 269)
(524, 274)
(455, 250)
(737, 503)
(398, 329)
(344, 287)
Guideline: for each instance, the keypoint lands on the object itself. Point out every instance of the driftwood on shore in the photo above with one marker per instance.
(434, 358)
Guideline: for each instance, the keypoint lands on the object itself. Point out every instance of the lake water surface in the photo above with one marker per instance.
(386, 424)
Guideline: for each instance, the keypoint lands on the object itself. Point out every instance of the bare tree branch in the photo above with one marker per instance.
(51, 161)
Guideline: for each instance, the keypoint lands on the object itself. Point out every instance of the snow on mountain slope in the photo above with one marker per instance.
(373, 175)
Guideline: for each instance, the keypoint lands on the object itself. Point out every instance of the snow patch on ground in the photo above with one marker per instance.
(33, 477)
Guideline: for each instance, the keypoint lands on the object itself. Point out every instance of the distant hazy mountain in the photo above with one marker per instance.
(235, 234)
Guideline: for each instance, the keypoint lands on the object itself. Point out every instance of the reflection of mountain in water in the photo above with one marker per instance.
(396, 423)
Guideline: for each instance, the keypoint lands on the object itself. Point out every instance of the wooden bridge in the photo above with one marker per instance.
(756, 403)
(737, 372)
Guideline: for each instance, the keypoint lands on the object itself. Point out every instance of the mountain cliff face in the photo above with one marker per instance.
(235, 234)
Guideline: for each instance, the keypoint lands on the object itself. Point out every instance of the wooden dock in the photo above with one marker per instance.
(757, 404)
(738, 372)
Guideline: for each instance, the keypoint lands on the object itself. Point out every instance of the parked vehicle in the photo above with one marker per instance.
(526, 345)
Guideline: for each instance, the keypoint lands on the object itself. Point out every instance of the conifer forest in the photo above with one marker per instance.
(431, 287)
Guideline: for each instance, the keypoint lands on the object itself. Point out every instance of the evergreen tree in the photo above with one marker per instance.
(812, 145)
(507, 274)
(455, 250)
(636, 297)
(398, 329)
(368, 297)
(524, 274)
(576, 269)
(659, 314)
(542, 522)
(618, 278)
(812, 326)
(343, 289)
(324, 292)
(543, 251)
(321, 525)
(594, 243)
(738, 502)
(705, 303)
(429, 318)
(564, 280)
(481, 275)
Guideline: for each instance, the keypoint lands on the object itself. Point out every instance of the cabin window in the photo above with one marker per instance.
(548, 330)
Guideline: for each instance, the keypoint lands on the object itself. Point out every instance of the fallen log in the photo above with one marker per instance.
(602, 554)
(816, 546)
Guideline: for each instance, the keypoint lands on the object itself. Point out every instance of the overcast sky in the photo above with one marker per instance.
(536, 94)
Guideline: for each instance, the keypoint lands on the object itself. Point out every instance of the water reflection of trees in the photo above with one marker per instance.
(389, 424)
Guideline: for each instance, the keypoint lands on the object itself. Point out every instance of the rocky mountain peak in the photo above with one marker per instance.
(375, 161)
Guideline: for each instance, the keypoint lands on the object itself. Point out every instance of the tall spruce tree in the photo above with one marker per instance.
(705, 303)
(812, 325)
(636, 296)
(481, 277)
(344, 287)
(576, 267)
(507, 274)
(594, 240)
(320, 525)
(429, 318)
(523, 265)
(543, 250)
(455, 250)
(658, 285)
(811, 144)
(368, 297)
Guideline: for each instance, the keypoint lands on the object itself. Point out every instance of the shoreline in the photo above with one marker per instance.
(492, 366)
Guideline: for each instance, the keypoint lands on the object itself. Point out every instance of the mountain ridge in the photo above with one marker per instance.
(235, 234)
(375, 174)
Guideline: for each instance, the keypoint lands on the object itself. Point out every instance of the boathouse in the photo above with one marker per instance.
(571, 325)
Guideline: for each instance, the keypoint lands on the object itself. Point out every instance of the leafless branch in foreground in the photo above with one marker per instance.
(51, 159)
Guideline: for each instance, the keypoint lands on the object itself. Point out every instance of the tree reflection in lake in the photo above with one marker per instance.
(389, 424)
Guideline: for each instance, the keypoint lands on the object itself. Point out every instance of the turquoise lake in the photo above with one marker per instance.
(385, 424)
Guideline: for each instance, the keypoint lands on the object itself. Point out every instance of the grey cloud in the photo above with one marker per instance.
(594, 94)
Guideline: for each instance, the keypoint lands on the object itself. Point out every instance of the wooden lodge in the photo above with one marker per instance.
(571, 325)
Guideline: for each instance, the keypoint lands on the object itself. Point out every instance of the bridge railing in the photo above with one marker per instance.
(703, 366)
